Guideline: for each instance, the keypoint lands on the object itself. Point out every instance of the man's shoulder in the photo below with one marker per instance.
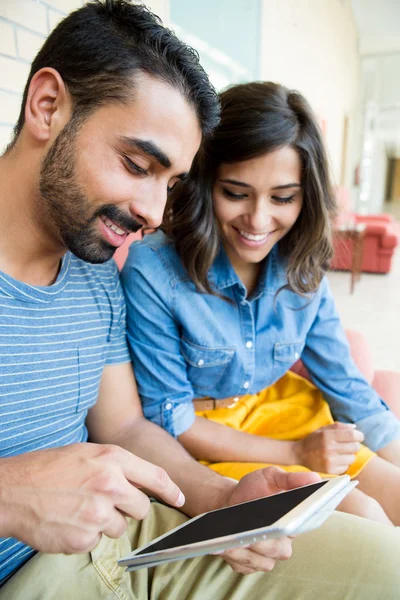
(99, 270)
(100, 279)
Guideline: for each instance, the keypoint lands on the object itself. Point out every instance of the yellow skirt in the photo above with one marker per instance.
(290, 409)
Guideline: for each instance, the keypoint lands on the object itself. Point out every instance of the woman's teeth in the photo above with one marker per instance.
(253, 237)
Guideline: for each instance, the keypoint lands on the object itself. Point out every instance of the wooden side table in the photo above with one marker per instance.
(354, 233)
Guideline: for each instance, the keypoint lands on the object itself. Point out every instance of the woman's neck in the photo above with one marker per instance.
(248, 275)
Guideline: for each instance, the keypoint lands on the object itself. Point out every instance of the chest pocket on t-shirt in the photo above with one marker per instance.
(205, 366)
(91, 361)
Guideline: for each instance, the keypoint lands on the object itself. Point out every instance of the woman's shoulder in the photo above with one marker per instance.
(276, 282)
(155, 251)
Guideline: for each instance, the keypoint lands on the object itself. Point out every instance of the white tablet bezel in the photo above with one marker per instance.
(307, 515)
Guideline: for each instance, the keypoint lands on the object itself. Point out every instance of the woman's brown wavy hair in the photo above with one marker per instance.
(257, 118)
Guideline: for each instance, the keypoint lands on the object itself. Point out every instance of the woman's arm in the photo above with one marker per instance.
(391, 452)
(332, 369)
(154, 341)
(206, 440)
(330, 449)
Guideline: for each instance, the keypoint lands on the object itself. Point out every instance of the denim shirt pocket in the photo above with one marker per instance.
(287, 353)
(205, 366)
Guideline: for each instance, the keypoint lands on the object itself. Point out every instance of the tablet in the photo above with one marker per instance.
(287, 513)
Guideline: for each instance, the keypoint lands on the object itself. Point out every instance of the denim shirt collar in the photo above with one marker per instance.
(272, 276)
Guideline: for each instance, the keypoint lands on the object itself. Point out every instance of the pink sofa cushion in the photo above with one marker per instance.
(387, 384)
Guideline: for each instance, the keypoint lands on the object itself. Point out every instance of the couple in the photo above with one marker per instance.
(111, 120)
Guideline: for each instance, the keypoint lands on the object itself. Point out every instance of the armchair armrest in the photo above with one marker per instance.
(381, 218)
(387, 384)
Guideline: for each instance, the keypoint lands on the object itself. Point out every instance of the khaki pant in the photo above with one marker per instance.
(348, 558)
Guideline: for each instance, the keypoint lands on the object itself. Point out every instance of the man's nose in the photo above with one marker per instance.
(149, 211)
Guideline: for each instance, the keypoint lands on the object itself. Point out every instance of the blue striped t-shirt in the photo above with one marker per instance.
(54, 343)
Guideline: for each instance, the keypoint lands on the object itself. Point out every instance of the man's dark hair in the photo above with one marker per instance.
(98, 48)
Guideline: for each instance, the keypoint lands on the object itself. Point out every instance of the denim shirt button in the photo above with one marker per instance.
(249, 344)
(246, 384)
(200, 362)
(168, 406)
(296, 355)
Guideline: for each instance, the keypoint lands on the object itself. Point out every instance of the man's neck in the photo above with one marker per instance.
(27, 252)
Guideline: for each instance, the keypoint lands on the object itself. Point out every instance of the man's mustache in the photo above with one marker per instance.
(120, 218)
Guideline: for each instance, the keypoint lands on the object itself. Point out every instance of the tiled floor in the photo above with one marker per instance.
(373, 309)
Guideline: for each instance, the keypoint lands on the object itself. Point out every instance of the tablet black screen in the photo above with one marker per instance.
(236, 519)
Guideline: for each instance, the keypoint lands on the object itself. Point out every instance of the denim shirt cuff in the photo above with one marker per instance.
(379, 429)
(183, 417)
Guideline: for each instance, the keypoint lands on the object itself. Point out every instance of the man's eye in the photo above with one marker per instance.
(283, 199)
(232, 195)
(134, 167)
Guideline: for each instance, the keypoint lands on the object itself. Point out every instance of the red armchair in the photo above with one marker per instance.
(381, 236)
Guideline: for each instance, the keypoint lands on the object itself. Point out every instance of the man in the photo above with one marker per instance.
(113, 113)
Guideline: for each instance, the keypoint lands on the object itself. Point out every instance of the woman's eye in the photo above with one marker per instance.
(134, 167)
(283, 199)
(232, 195)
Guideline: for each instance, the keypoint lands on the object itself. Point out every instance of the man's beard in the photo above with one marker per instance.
(67, 207)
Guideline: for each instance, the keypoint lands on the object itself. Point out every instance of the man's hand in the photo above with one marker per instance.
(331, 449)
(265, 482)
(62, 500)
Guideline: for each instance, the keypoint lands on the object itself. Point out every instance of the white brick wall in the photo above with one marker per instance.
(14, 73)
(7, 39)
(26, 13)
(10, 106)
(24, 25)
(28, 43)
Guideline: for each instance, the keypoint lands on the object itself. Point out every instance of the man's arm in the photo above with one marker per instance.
(62, 499)
(117, 419)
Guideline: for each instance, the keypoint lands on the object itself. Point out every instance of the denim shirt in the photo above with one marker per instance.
(185, 344)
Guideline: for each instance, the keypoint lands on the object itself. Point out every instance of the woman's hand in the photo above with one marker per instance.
(331, 449)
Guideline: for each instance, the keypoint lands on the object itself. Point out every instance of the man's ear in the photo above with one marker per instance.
(48, 105)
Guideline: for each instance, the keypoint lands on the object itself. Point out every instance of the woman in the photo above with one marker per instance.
(232, 292)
